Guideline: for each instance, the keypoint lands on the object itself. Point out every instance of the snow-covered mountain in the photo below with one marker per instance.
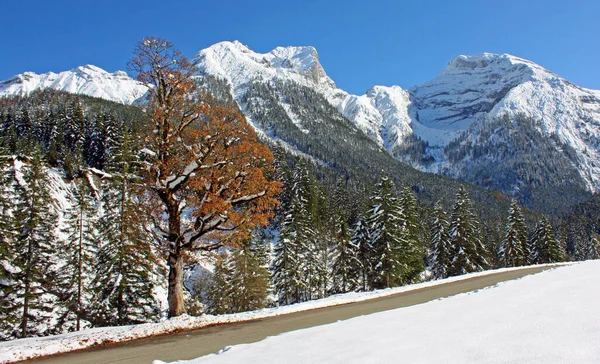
(477, 89)
(443, 126)
(469, 92)
(86, 80)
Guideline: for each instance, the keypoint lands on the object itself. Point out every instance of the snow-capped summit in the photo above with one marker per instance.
(87, 80)
(459, 102)
(239, 65)
(467, 90)
(474, 89)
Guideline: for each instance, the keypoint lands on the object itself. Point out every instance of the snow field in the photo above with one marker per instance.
(550, 317)
(36, 347)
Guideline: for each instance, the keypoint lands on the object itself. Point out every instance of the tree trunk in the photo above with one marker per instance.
(175, 294)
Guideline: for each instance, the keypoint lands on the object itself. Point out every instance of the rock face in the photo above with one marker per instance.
(462, 123)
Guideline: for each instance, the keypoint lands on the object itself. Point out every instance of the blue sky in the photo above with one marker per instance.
(360, 43)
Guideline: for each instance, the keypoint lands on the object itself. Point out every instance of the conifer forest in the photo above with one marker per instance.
(115, 214)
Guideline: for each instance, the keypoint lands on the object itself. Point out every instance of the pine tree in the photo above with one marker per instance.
(346, 267)
(412, 251)
(361, 239)
(312, 231)
(127, 264)
(8, 235)
(79, 252)
(468, 252)
(249, 284)
(288, 275)
(300, 265)
(545, 246)
(512, 251)
(441, 248)
(32, 281)
(386, 236)
(593, 248)
(220, 290)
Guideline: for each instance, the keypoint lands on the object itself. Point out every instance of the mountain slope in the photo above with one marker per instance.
(463, 123)
(442, 125)
(86, 80)
(518, 128)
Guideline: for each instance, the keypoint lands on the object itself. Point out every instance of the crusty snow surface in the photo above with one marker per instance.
(22, 349)
(550, 317)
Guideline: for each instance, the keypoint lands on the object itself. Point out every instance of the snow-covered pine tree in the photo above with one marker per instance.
(219, 293)
(413, 250)
(315, 231)
(513, 250)
(387, 238)
(241, 280)
(587, 249)
(545, 246)
(102, 139)
(79, 252)
(441, 248)
(468, 252)
(32, 281)
(361, 239)
(8, 315)
(593, 247)
(288, 264)
(346, 267)
(249, 281)
(127, 264)
(300, 267)
(580, 245)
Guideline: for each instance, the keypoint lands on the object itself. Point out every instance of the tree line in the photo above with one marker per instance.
(99, 268)
(148, 191)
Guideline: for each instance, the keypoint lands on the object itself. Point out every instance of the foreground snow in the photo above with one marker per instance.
(551, 317)
(42, 346)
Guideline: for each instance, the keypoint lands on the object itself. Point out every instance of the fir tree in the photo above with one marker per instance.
(288, 274)
(441, 249)
(33, 278)
(412, 250)
(312, 231)
(220, 290)
(513, 250)
(593, 248)
(386, 236)
(361, 239)
(127, 264)
(79, 252)
(468, 252)
(248, 283)
(544, 245)
(300, 270)
(8, 234)
(346, 267)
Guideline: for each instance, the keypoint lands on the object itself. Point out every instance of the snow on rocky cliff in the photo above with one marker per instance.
(239, 65)
(472, 89)
(86, 80)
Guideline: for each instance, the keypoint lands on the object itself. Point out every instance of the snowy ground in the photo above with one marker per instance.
(550, 317)
(37, 347)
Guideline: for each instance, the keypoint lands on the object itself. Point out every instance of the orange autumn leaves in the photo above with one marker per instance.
(210, 172)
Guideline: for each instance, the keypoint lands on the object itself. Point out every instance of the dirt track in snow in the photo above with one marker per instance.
(192, 344)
